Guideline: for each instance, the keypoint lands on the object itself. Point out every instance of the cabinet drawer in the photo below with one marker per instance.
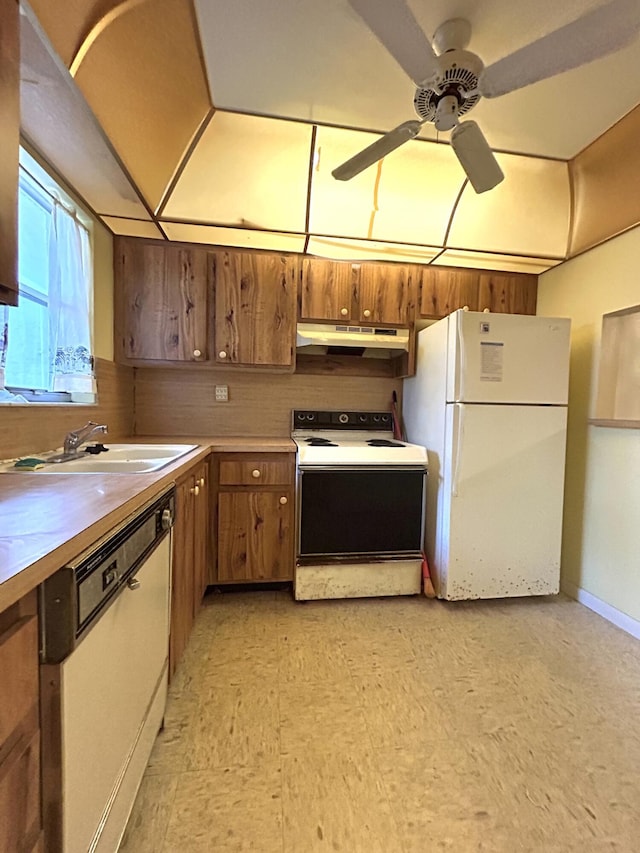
(18, 674)
(256, 471)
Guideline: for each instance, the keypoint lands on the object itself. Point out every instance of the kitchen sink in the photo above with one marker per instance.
(119, 459)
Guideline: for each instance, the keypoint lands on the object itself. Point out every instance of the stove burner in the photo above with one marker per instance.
(383, 442)
(320, 442)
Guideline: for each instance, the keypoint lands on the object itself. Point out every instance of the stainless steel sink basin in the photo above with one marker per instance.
(119, 459)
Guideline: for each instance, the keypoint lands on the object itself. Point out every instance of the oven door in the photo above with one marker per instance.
(361, 511)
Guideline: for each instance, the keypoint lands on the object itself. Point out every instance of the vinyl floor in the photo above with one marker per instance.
(397, 724)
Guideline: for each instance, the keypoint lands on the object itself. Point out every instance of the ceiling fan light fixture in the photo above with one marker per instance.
(476, 157)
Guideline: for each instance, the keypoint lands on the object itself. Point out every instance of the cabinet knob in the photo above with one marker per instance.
(197, 353)
(195, 490)
(222, 354)
(201, 481)
(284, 500)
(255, 473)
(344, 311)
(366, 313)
(486, 311)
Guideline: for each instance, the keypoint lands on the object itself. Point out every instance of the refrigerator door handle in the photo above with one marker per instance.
(458, 423)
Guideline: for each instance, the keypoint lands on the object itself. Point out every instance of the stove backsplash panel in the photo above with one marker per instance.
(182, 402)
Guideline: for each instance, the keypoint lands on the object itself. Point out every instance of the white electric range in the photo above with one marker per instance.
(359, 506)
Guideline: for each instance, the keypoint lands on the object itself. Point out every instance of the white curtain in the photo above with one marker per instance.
(69, 304)
(4, 339)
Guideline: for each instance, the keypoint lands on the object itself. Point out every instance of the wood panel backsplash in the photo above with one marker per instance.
(182, 402)
(38, 427)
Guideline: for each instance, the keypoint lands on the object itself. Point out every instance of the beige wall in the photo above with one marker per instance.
(102, 292)
(601, 540)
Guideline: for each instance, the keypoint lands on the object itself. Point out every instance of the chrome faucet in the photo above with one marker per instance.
(74, 440)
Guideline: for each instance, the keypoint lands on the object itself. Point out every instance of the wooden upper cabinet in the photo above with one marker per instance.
(508, 293)
(327, 291)
(161, 301)
(9, 142)
(255, 308)
(445, 290)
(385, 294)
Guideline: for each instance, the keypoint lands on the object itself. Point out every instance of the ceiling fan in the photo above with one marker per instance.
(451, 80)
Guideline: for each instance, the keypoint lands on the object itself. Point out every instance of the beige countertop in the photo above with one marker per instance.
(47, 520)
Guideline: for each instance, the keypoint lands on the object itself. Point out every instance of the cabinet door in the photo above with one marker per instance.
(327, 290)
(20, 762)
(507, 293)
(255, 535)
(9, 140)
(161, 305)
(445, 290)
(201, 536)
(255, 300)
(182, 575)
(385, 294)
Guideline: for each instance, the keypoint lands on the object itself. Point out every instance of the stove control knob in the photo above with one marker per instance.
(343, 418)
(255, 473)
(362, 418)
(283, 500)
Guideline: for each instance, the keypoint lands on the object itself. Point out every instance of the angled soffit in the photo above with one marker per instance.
(138, 65)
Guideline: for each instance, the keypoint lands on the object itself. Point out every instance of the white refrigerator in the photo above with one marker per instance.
(489, 403)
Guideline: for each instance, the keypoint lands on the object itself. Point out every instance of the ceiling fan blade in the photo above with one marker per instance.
(475, 156)
(377, 150)
(393, 24)
(591, 36)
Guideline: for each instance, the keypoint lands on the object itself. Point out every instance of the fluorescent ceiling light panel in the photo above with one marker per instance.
(246, 170)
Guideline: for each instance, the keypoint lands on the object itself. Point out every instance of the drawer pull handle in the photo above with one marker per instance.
(222, 354)
(284, 500)
(255, 473)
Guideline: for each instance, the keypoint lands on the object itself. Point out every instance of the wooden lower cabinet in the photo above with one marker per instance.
(190, 558)
(20, 787)
(254, 517)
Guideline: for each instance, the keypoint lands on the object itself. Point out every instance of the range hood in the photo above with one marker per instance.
(355, 340)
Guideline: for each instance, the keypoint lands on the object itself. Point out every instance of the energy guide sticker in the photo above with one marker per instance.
(491, 361)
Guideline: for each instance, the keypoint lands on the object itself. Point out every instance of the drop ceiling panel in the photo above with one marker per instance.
(369, 250)
(246, 170)
(240, 237)
(408, 197)
(132, 227)
(57, 121)
(527, 214)
(489, 261)
(144, 80)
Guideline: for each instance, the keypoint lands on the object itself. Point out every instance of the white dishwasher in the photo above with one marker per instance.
(104, 652)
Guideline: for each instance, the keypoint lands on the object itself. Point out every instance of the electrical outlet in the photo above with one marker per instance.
(222, 393)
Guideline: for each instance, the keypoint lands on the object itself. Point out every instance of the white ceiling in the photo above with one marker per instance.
(318, 62)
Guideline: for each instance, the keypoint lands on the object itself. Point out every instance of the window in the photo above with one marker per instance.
(45, 345)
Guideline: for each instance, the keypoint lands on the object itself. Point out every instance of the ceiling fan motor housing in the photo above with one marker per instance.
(458, 73)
